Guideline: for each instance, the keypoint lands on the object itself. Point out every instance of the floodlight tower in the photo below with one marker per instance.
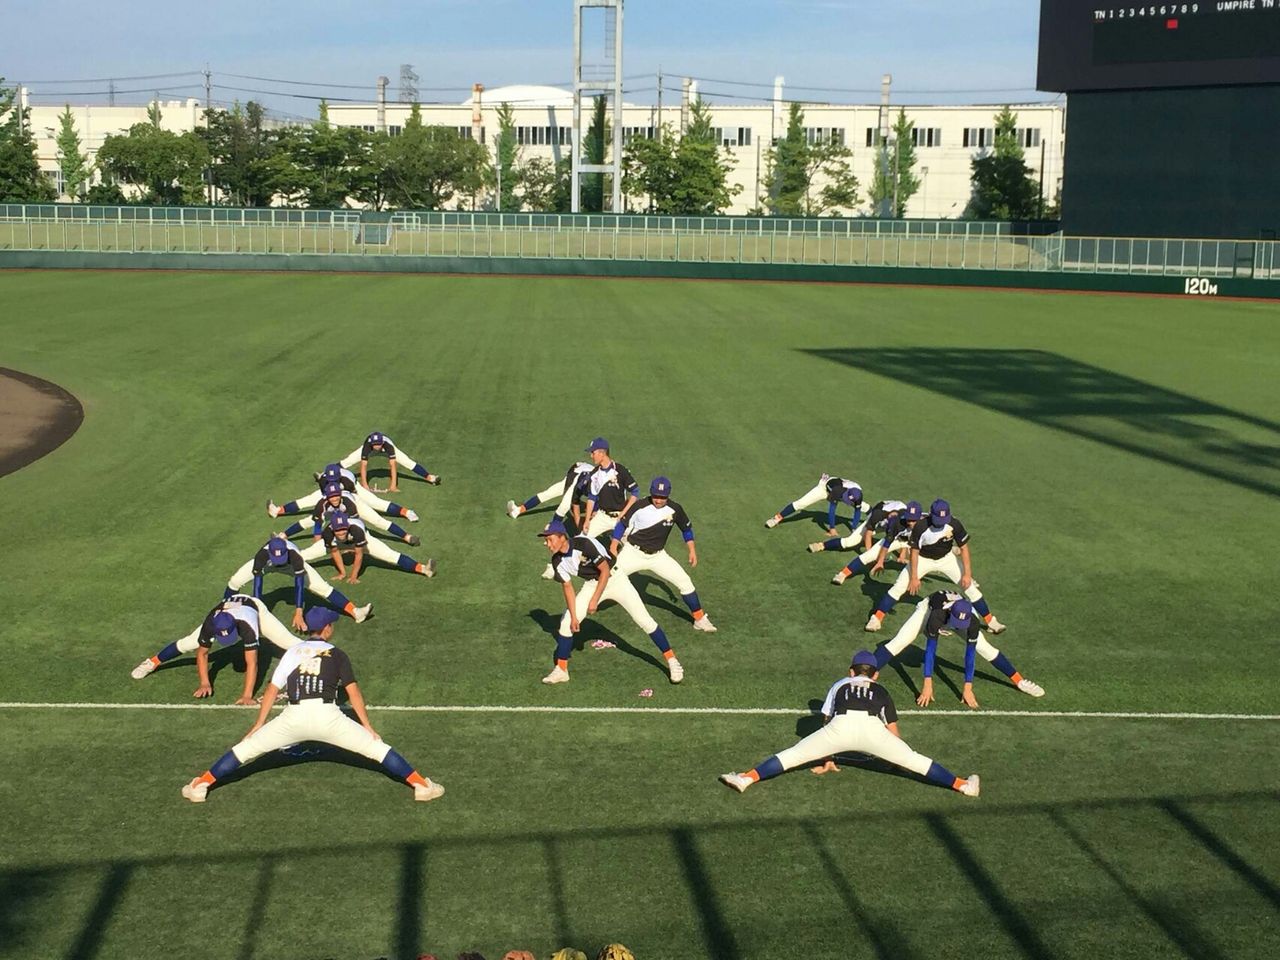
(603, 77)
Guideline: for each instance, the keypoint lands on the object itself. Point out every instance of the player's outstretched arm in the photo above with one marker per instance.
(571, 604)
(603, 582)
(357, 704)
(202, 669)
(356, 562)
(391, 462)
(913, 584)
(966, 566)
(264, 707)
(364, 472)
(250, 678)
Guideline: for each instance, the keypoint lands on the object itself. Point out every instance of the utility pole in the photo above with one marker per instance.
(208, 104)
(885, 82)
(1042, 142)
(685, 91)
(658, 130)
(382, 104)
(111, 93)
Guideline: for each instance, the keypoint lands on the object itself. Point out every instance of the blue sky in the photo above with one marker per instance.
(957, 46)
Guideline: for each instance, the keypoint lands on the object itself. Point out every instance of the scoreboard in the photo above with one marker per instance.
(1102, 45)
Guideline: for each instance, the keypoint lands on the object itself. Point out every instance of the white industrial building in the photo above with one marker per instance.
(947, 137)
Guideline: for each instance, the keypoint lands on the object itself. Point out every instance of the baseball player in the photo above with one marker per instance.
(345, 532)
(585, 558)
(947, 611)
(639, 541)
(278, 555)
(566, 492)
(337, 473)
(239, 617)
(858, 716)
(611, 490)
(311, 674)
(836, 490)
(335, 498)
(940, 546)
(380, 444)
(896, 527)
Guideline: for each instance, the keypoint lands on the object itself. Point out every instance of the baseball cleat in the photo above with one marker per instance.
(513, 511)
(1030, 687)
(272, 509)
(815, 547)
(704, 624)
(972, 787)
(995, 626)
(840, 578)
(873, 625)
(557, 675)
(675, 669)
(413, 540)
(736, 780)
(411, 515)
(772, 522)
(197, 791)
(361, 614)
(548, 573)
(429, 568)
(142, 669)
(434, 480)
(422, 792)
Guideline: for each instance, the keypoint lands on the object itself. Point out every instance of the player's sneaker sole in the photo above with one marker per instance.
(838, 579)
(272, 509)
(512, 510)
(413, 540)
(736, 781)
(429, 569)
(972, 786)
(771, 522)
(145, 668)
(815, 548)
(704, 624)
(675, 669)
(196, 791)
(1030, 688)
(423, 793)
(994, 626)
(873, 625)
(361, 614)
(556, 676)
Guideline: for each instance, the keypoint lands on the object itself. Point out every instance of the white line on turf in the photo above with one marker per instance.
(696, 711)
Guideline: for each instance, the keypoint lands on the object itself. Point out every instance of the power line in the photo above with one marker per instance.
(63, 94)
(154, 76)
(875, 90)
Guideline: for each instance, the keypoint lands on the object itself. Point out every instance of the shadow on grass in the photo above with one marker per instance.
(1054, 391)
(25, 889)
(590, 629)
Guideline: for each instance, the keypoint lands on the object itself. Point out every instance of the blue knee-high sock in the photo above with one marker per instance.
(532, 502)
(397, 531)
(1001, 663)
(883, 656)
(169, 653)
(290, 507)
(886, 603)
(228, 593)
(691, 601)
(396, 765)
(769, 769)
(564, 647)
(420, 470)
(832, 544)
(940, 775)
(660, 640)
(293, 529)
(396, 510)
(855, 566)
(339, 600)
(225, 765)
(981, 606)
(788, 510)
(406, 562)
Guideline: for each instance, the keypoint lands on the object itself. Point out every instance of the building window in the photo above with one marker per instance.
(1028, 136)
(367, 127)
(872, 136)
(926, 136)
(816, 135)
(57, 179)
(545, 136)
(979, 137)
(732, 136)
(630, 133)
(395, 130)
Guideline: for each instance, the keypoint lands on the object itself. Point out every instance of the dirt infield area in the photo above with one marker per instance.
(36, 417)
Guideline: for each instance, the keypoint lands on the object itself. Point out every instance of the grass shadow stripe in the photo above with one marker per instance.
(1220, 849)
(716, 932)
(115, 880)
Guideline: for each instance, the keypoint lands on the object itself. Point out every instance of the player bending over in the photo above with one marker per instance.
(380, 444)
(944, 611)
(896, 538)
(858, 716)
(239, 617)
(278, 555)
(311, 673)
(836, 490)
(336, 498)
(346, 533)
(337, 473)
(567, 493)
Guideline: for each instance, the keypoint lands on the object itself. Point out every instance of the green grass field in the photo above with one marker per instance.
(1116, 460)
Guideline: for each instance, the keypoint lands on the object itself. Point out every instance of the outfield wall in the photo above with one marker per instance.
(515, 266)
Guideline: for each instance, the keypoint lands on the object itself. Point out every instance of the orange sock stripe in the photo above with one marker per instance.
(206, 777)
(416, 779)
(562, 664)
(418, 568)
(699, 614)
(155, 661)
(1017, 677)
(669, 654)
(958, 784)
(349, 609)
(752, 776)
(988, 618)
(879, 614)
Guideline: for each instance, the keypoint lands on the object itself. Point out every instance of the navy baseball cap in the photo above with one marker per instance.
(852, 496)
(914, 511)
(317, 618)
(864, 658)
(376, 438)
(339, 520)
(599, 443)
(277, 551)
(556, 526)
(224, 627)
(939, 513)
(961, 616)
(332, 489)
(661, 487)
(332, 472)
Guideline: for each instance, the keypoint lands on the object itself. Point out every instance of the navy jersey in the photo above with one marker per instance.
(648, 526)
(345, 478)
(581, 559)
(313, 670)
(320, 512)
(247, 626)
(940, 611)
(860, 695)
(838, 487)
(882, 511)
(357, 536)
(293, 564)
(934, 543)
(388, 449)
(610, 487)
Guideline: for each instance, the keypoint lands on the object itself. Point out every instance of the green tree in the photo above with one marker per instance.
(594, 150)
(75, 166)
(702, 168)
(371, 180)
(21, 180)
(895, 180)
(1003, 186)
(505, 173)
(788, 168)
(244, 166)
(167, 167)
(545, 185)
(325, 159)
(429, 166)
(649, 171)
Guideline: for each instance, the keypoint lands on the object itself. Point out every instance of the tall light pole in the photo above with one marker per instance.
(924, 191)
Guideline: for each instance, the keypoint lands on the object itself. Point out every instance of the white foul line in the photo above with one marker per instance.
(695, 711)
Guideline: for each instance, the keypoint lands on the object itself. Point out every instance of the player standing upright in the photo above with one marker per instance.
(835, 490)
(639, 541)
(611, 490)
(380, 444)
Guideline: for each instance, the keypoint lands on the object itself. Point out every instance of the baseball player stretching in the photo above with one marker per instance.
(311, 673)
(944, 610)
(239, 617)
(935, 547)
(583, 557)
(897, 525)
(337, 473)
(858, 716)
(335, 498)
(344, 532)
(639, 539)
(566, 492)
(835, 490)
(278, 555)
(380, 444)
(611, 490)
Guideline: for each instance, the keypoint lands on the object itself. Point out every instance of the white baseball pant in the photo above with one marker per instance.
(850, 733)
(911, 628)
(315, 583)
(361, 494)
(311, 720)
(372, 546)
(631, 559)
(402, 459)
(621, 592)
(948, 566)
(601, 522)
(269, 628)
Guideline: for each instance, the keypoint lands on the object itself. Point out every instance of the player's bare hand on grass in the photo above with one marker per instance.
(969, 699)
(202, 691)
(353, 579)
(966, 582)
(338, 576)
(298, 623)
(247, 702)
(913, 586)
(875, 568)
(829, 767)
(926, 695)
